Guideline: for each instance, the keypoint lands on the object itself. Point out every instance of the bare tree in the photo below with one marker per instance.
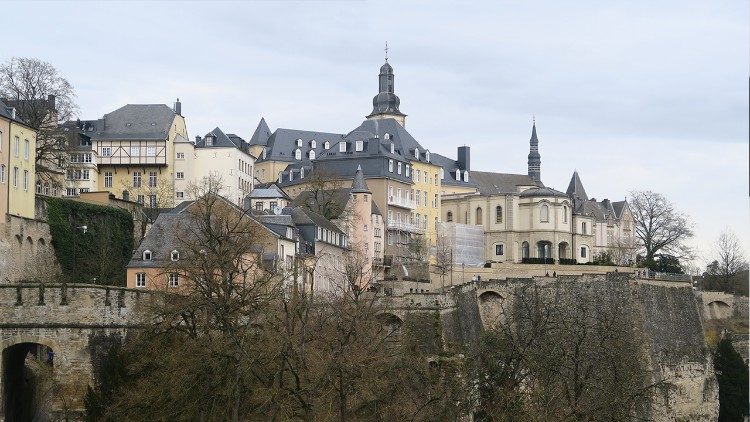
(660, 228)
(442, 260)
(324, 194)
(730, 258)
(43, 99)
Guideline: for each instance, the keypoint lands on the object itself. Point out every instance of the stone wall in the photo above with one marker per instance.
(26, 251)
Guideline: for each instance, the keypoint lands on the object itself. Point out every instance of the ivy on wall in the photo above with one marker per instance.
(98, 255)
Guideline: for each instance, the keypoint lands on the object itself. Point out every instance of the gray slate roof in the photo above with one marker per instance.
(222, 140)
(546, 192)
(261, 134)
(575, 188)
(164, 236)
(267, 193)
(132, 122)
(489, 183)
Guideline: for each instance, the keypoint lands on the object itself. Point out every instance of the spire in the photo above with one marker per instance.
(386, 51)
(575, 188)
(385, 105)
(359, 185)
(535, 160)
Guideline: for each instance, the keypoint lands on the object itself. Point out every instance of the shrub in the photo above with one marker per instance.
(568, 261)
(537, 261)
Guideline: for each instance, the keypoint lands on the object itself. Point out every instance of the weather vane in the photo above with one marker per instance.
(386, 51)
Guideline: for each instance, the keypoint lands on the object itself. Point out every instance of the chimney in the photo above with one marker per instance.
(178, 107)
(464, 158)
(197, 139)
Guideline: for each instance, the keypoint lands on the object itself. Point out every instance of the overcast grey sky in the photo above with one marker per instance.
(635, 95)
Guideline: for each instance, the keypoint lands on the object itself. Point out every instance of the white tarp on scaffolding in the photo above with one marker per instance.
(465, 242)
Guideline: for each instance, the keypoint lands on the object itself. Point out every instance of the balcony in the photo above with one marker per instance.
(401, 202)
(405, 226)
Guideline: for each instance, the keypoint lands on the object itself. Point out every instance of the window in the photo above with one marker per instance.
(416, 152)
(180, 175)
(407, 170)
(299, 142)
(180, 195)
(498, 214)
(272, 205)
(427, 156)
(135, 151)
(449, 217)
(297, 154)
(87, 157)
(435, 202)
(313, 144)
(180, 155)
(15, 177)
(565, 214)
(326, 145)
(387, 136)
(393, 148)
(141, 199)
(583, 252)
(16, 142)
(152, 179)
(71, 191)
(359, 145)
(175, 256)
(86, 174)
(466, 176)
(398, 167)
(174, 280)
(147, 256)
(2, 173)
(544, 213)
(442, 174)
(136, 179)
(152, 201)
(26, 146)
(499, 250)
(342, 146)
(424, 195)
(151, 152)
(418, 175)
(39, 188)
(525, 250)
(583, 228)
(312, 154)
(478, 216)
(107, 179)
(25, 180)
(259, 206)
(140, 279)
(106, 151)
(390, 166)
(209, 141)
(82, 190)
(419, 197)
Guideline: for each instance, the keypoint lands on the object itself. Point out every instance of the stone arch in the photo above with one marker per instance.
(391, 324)
(563, 250)
(718, 309)
(41, 241)
(478, 219)
(525, 250)
(19, 238)
(490, 308)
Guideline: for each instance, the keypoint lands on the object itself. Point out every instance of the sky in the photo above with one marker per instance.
(634, 95)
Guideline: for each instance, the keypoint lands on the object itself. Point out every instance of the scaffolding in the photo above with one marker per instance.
(463, 241)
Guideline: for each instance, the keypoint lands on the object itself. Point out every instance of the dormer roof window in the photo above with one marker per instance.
(313, 144)
(326, 145)
(427, 155)
(416, 153)
(359, 145)
(175, 255)
(387, 136)
(299, 142)
(147, 256)
(466, 176)
(297, 154)
(393, 148)
(342, 146)
(312, 154)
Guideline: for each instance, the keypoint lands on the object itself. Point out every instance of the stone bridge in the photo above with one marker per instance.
(45, 330)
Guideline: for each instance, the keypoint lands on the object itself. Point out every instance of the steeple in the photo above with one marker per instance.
(535, 160)
(359, 185)
(385, 104)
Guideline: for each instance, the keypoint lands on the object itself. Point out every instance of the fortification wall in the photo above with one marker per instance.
(26, 251)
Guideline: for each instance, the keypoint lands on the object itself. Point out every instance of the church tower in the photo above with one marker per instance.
(535, 160)
(385, 104)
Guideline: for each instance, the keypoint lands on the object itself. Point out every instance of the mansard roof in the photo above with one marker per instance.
(280, 145)
(450, 166)
(132, 122)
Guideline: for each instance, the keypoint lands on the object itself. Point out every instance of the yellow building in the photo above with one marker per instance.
(426, 191)
(17, 155)
(136, 147)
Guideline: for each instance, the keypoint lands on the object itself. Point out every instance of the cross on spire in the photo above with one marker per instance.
(386, 51)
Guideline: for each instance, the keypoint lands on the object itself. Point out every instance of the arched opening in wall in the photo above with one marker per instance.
(27, 381)
(41, 242)
(544, 249)
(391, 326)
(525, 250)
(563, 250)
(490, 308)
(30, 242)
(19, 239)
(718, 309)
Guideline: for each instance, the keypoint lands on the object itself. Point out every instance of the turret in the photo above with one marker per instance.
(385, 105)
(535, 160)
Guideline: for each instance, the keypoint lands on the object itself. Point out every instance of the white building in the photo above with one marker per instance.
(225, 156)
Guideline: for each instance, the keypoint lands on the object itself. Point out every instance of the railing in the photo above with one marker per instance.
(404, 226)
(400, 202)
(653, 275)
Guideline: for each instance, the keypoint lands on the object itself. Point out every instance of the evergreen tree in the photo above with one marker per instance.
(732, 374)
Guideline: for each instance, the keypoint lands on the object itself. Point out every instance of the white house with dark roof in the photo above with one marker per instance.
(225, 156)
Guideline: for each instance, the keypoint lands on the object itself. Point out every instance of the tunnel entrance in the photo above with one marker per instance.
(26, 381)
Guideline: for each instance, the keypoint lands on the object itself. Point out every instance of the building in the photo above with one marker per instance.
(17, 169)
(140, 148)
(268, 198)
(224, 156)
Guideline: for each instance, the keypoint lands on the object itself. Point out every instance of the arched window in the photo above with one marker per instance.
(387, 136)
(264, 153)
(449, 217)
(416, 153)
(478, 216)
(299, 142)
(525, 250)
(326, 145)
(313, 144)
(297, 154)
(147, 255)
(302, 171)
(312, 154)
(427, 155)
(442, 173)
(393, 148)
(565, 213)
(175, 255)
(466, 176)
(544, 213)
(498, 214)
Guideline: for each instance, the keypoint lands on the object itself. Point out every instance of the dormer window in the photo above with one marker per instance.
(313, 144)
(342, 146)
(175, 256)
(427, 155)
(359, 145)
(280, 177)
(398, 166)
(407, 171)
(458, 175)
(442, 174)
(466, 176)
(147, 255)
(302, 170)
(299, 142)
(393, 148)
(326, 145)
(209, 141)
(387, 136)
(312, 154)
(297, 154)
(416, 153)
(264, 153)
(390, 166)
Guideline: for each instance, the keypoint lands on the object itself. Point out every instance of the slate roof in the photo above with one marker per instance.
(164, 236)
(359, 185)
(618, 207)
(222, 140)
(489, 183)
(261, 134)
(282, 143)
(340, 197)
(575, 188)
(267, 193)
(302, 216)
(132, 122)
(546, 192)
(450, 166)
(6, 111)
